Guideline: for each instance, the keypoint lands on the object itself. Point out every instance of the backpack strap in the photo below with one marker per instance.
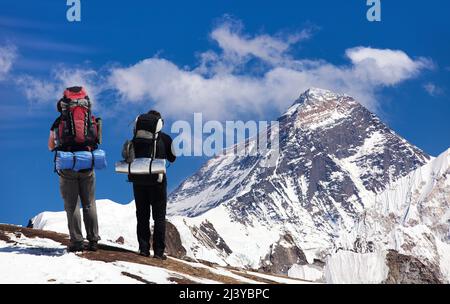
(74, 160)
(134, 128)
(150, 166)
(155, 142)
(72, 123)
(93, 160)
(54, 162)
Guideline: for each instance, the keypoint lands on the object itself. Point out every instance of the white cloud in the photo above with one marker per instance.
(180, 92)
(36, 90)
(433, 89)
(88, 78)
(237, 46)
(222, 93)
(247, 76)
(384, 67)
(8, 54)
(44, 91)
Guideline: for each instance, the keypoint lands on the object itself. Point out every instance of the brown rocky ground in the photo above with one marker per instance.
(111, 254)
(404, 269)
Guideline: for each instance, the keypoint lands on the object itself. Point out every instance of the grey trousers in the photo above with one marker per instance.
(74, 185)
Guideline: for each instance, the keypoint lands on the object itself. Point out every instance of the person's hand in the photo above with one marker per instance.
(51, 141)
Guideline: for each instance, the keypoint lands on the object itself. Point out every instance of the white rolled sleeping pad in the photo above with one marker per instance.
(141, 166)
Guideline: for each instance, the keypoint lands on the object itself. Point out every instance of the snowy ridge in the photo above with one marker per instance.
(411, 217)
(39, 256)
(416, 187)
(110, 215)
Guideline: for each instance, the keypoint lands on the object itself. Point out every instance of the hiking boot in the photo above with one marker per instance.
(75, 247)
(160, 256)
(92, 246)
(144, 253)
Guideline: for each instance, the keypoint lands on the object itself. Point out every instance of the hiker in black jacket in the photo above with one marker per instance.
(150, 191)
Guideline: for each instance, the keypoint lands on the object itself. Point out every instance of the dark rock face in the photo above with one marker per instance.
(405, 269)
(30, 224)
(282, 256)
(174, 246)
(361, 246)
(209, 237)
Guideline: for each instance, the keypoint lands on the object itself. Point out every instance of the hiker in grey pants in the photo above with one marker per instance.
(74, 185)
(77, 130)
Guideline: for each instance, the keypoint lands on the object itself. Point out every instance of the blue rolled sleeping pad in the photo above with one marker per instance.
(99, 159)
(82, 159)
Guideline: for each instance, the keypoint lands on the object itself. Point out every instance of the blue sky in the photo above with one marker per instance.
(228, 59)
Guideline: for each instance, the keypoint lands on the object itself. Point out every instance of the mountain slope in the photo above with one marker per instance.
(335, 158)
(411, 217)
(407, 226)
(348, 201)
(322, 133)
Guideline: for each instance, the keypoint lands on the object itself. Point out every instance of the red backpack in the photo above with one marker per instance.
(78, 129)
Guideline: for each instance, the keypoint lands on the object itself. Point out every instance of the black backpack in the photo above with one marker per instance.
(145, 138)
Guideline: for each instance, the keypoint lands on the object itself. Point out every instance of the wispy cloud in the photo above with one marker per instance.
(8, 54)
(43, 44)
(17, 23)
(226, 83)
(42, 91)
(12, 30)
(433, 89)
(238, 47)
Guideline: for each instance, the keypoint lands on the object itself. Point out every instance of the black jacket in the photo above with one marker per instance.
(144, 148)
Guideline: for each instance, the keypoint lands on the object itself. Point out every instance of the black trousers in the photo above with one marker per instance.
(151, 199)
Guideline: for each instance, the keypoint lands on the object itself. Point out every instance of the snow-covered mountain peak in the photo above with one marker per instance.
(335, 155)
(319, 94)
(316, 105)
(442, 162)
(316, 96)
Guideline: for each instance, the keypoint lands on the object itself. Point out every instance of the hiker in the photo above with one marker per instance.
(150, 190)
(76, 130)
